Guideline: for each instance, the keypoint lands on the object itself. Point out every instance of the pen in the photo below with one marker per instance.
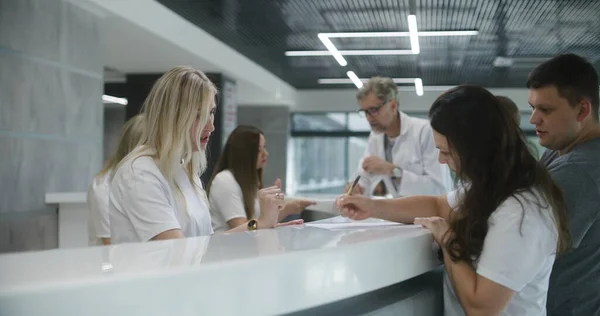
(353, 185)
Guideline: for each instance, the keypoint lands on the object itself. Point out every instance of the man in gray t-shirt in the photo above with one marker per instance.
(575, 280)
(564, 96)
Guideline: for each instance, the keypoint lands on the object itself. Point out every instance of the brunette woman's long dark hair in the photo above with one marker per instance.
(240, 156)
(493, 160)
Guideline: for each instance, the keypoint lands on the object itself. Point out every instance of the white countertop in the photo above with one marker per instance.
(65, 197)
(324, 201)
(251, 273)
(81, 197)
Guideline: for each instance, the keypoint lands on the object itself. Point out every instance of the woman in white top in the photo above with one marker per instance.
(499, 234)
(97, 197)
(156, 191)
(238, 178)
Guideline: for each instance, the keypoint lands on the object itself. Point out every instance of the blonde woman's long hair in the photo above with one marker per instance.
(177, 100)
(130, 136)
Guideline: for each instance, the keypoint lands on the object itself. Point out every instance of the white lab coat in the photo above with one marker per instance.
(415, 153)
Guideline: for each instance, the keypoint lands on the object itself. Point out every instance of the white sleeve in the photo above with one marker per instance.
(513, 253)
(432, 181)
(452, 197)
(146, 203)
(226, 199)
(98, 204)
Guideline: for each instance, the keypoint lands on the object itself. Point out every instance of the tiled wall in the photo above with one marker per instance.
(274, 122)
(50, 114)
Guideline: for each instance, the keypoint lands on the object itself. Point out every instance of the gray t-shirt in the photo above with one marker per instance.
(389, 146)
(575, 280)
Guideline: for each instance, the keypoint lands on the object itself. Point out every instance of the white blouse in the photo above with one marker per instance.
(227, 201)
(518, 253)
(143, 204)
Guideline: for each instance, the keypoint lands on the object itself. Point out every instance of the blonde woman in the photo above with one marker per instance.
(97, 198)
(156, 191)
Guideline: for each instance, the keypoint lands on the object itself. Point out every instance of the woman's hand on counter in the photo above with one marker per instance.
(356, 207)
(438, 227)
(291, 223)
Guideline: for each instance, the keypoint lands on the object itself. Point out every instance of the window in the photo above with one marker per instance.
(327, 122)
(317, 164)
(324, 151)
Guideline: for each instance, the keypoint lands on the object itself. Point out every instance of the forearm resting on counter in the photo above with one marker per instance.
(404, 210)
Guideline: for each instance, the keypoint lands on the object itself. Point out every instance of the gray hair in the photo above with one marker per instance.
(384, 88)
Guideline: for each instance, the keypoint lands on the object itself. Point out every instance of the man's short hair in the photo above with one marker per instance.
(384, 88)
(572, 75)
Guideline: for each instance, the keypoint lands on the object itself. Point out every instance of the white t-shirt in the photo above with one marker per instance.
(227, 201)
(97, 200)
(142, 203)
(517, 257)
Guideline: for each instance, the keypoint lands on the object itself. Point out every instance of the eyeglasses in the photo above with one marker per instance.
(372, 111)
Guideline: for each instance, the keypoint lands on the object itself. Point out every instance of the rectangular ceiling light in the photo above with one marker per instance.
(419, 86)
(356, 52)
(413, 33)
(414, 36)
(501, 61)
(348, 81)
(111, 99)
(333, 50)
(449, 33)
(366, 34)
(357, 82)
(426, 88)
(401, 34)
(334, 81)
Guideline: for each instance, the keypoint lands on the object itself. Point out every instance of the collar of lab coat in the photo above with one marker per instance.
(404, 122)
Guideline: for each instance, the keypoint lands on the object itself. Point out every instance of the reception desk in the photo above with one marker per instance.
(73, 213)
(304, 269)
(72, 218)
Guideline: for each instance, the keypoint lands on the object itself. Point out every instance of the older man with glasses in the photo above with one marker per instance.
(400, 154)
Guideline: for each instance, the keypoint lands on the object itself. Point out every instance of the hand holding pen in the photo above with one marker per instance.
(354, 188)
(346, 202)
